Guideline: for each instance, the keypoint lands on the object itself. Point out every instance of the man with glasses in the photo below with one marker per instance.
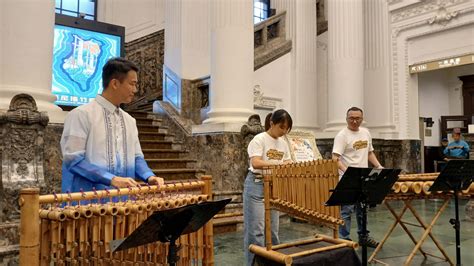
(353, 147)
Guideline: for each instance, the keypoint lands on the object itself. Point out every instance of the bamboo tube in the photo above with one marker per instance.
(405, 186)
(157, 204)
(83, 236)
(29, 227)
(98, 209)
(45, 239)
(65, 197)
(417, 187)
(174, 203)
(134, 207)
(266, 192)
(70, 234)
(271, 255)
(111, 209)
(348, 243)
(297, 243)
(52, 215)
(318, 250)
(96, 222)
(108, 231)
(200, 242)
(85, 212)
(396, 187)
(203, 198)
(192, 200)
(72, 213)
(122, 210)
(208, 233)
(426, 187)
(54, 235)
(146, 206)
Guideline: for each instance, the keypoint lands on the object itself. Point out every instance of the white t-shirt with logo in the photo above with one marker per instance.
(353, 147)
(270, 149)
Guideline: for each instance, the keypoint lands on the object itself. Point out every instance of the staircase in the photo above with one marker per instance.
(164, 155)
(168, 158)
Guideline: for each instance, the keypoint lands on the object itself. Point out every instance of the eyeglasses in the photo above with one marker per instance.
(355, 119)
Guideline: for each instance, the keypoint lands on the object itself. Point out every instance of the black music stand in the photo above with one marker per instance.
(364, 187)
(456, 176)
(169, 225)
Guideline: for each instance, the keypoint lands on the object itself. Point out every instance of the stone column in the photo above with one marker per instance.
(187, 38)
(26, 47)
(345, 60)
(377, 88)
(301, 29)
(232, 60)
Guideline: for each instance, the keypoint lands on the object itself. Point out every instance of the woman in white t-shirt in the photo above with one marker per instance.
(265, 149)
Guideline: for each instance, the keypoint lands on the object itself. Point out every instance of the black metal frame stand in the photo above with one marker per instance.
(363, 187)
(173, 250)
(456, 176)
(457, 227)
(364, 233)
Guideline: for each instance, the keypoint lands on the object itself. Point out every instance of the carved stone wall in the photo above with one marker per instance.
(22, 144)
(30, 157)
(148, 53)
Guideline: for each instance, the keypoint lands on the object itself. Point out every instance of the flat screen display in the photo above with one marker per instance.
(79, 54)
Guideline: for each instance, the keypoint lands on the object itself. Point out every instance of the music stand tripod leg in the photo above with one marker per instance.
(173, 250)
(457, 226)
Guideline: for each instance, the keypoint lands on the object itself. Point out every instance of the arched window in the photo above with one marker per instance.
(261, 10)
(77, 8)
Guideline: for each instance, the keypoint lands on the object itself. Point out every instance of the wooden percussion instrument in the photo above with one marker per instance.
(301, 190)
(77, 228)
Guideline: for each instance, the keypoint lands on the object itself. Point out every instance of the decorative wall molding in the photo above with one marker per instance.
(322, 45)
(421, 8)
(263, 102)
(442, 16)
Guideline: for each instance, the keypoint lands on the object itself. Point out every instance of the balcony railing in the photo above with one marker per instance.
(270, 40)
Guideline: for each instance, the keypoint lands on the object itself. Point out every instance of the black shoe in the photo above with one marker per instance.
(369, 242)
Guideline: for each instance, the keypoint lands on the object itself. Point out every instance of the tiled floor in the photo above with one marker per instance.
(229, 246)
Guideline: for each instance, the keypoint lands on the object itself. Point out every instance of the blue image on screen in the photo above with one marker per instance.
(78, 58)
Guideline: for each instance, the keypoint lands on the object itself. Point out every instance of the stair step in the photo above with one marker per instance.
(227, 224)
(163, 153)
(144, 135)
(170, 163)
(138, 114)
(157, 144)
(152, 128)
(149, 121)
(178, 174)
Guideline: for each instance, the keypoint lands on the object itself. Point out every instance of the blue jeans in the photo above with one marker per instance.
(254, 217)
(346, 211)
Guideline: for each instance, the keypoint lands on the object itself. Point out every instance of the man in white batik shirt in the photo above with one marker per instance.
(100, 144)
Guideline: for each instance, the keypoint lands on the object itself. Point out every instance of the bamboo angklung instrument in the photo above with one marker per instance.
(301, 190)
(77, 228)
